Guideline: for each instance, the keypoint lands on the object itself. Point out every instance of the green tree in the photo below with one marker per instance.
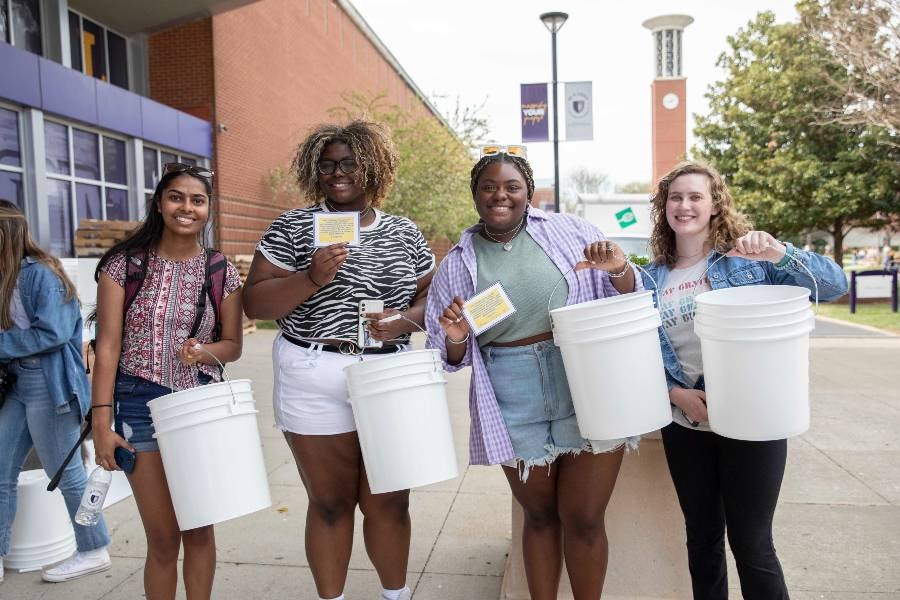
(635, 187)
(432, 183)
(788, 170)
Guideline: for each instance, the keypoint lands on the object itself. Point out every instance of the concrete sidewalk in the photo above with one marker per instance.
(837, 526)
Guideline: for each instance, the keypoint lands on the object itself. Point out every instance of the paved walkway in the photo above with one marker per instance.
(837, 526)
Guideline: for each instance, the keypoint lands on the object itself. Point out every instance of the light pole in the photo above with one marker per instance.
(554, 21)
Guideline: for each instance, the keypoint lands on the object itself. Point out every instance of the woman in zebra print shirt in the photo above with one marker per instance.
(314, 294)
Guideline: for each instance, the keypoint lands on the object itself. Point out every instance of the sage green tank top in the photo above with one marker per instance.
(528, 276)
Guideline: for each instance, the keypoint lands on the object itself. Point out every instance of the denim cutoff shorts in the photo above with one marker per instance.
(533, 394)
(133, 421)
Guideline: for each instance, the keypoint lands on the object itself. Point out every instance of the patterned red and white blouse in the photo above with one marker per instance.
(161, 317)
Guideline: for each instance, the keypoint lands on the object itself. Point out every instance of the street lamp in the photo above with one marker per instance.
(554, 21)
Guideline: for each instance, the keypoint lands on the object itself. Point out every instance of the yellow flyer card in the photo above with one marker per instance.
(335, 228)
(487, 308)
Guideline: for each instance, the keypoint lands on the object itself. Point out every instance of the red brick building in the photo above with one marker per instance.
(96, 95)
(263, 74)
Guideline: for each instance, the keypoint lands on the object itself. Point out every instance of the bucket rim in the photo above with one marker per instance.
(380, 392)
(647, 319)
(718, 336)
(157, 432)
(180, 394)
(741, 317)
(608, 300)
(619, 335)
(704, 321)
(710, 297)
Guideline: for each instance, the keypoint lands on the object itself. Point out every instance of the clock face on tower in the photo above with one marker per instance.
(670, 101)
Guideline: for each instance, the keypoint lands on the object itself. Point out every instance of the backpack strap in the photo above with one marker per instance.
(135, 273)
(214, 288)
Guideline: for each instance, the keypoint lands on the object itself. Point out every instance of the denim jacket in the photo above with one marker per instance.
(733, 272)
(54, 335)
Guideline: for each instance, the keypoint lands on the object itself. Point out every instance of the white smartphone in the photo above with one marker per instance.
(368, 306)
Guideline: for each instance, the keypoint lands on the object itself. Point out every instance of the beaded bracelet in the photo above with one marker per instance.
(462, 341)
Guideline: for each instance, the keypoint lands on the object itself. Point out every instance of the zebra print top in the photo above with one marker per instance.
(392, 256)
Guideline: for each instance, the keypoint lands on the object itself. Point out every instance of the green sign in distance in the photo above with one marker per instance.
(626, 217)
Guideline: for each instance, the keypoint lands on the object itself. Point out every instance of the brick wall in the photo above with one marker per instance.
(180, 64)
(279, 66)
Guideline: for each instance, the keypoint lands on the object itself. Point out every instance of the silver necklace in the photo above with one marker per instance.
(507, 246)
(362, 213)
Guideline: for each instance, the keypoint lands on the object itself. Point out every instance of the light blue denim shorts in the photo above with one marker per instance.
(533, 394)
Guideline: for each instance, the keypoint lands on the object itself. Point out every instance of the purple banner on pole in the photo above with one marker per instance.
(534, 112)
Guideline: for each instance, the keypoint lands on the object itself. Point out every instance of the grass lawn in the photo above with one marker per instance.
(874, 315)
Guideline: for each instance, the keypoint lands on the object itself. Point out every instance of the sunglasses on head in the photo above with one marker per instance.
(346, 165)
(511, 150)
(183, 168)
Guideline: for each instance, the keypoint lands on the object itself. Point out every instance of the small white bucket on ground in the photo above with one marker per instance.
(211, 451)
(756, 369)
(42, 532)
(615, 372)
(402, 422)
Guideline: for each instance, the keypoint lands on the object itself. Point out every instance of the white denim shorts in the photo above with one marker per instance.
(310, 390)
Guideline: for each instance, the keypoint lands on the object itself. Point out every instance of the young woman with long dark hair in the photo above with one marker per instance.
(146, 350)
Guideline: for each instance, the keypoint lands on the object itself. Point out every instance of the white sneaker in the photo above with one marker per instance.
(405, 594)
(78, 565)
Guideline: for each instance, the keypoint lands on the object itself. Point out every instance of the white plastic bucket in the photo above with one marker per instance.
(390, 362)
(42, 532)
(211, 452)
(403, 423)
(757, 387)
(752, 300)
(615, 372)
(755, 334)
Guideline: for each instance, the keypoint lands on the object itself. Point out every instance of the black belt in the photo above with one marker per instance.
(350, 348)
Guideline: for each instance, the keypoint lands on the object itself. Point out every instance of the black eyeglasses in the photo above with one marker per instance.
(328, 167)
(183, 168)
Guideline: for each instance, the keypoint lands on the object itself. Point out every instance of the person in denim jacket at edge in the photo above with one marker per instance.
(719, 481)
(40, 342)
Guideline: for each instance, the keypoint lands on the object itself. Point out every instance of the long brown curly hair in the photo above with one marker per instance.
(726, 225)
(372, 148)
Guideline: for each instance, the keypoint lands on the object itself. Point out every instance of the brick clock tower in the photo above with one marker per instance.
(669, 110)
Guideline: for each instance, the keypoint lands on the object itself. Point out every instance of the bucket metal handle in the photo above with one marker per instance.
(561, 279)
(232, 405)
(792, 259)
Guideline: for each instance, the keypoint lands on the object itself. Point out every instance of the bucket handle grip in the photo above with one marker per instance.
(561, 279)
(437, 365)
(232, 404)
(792, 259)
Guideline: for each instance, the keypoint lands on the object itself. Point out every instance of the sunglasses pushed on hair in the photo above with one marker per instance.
(183, 168)
(511, 150)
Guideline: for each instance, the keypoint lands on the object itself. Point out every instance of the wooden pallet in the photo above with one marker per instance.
(94, 237)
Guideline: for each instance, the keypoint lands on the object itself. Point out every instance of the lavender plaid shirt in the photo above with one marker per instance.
(563, 238)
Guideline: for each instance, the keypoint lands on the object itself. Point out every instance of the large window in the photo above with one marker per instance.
(87, 178)
(97, 51)
(154, 159)
(20, 24)
(11, 173)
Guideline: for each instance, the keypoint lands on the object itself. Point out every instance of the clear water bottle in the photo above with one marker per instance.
(91, 506)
